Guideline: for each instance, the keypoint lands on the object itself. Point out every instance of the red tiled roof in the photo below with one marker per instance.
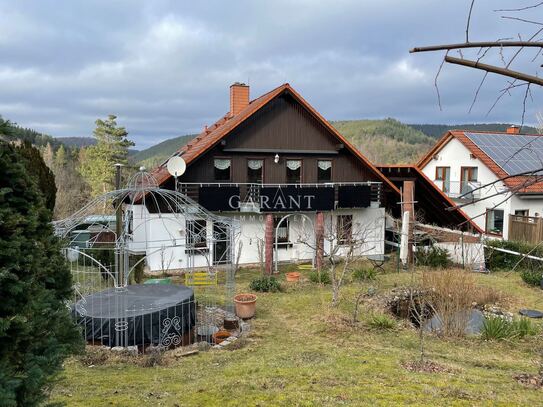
(514, 183)
(220, 129)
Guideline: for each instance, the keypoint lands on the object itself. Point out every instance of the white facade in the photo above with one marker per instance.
(162, 238)
(455, 156)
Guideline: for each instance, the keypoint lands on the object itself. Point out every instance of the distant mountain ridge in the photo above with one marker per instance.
(157, 154)
(77, 141)
(437, 130)
(385, 141)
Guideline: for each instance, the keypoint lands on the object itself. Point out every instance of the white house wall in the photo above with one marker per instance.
(455, 155)
(155, 235)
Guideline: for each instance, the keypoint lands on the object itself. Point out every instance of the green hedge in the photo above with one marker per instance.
(496, 260)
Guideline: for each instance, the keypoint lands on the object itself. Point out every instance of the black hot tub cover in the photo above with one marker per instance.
(137, 315)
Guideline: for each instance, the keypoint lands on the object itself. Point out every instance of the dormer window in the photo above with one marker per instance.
(294, 171)
(222, 169)
(324, 170)
(255, 171)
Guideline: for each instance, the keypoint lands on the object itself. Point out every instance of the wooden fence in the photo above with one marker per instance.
(525, 228)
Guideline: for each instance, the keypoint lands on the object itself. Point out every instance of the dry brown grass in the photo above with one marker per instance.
(453, 292)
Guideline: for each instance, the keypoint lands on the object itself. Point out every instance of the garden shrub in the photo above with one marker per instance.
(434, 256)
(524, 327)
(504, 261)
(265, 284)
(382, 322)
(501, 328)
(320, 278)
(531, 277)
(497, 328)
(365, 274)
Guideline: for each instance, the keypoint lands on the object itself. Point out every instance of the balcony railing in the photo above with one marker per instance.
(460, 189)
(250, 194)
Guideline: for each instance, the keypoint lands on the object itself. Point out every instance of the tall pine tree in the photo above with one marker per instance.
(98, 166)
(36, 330)
(36, 168)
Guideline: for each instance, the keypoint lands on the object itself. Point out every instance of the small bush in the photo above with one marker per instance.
(265, 284)
(496, 260)
(364, 274)
(497, 328)
(488, 295)
(451, 293)
(382, 322)
(524, 327)
(320, 278)
(531, 277)
(435, 257)
(500, 328)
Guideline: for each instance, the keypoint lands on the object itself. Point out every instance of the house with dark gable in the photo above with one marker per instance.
(296, 185)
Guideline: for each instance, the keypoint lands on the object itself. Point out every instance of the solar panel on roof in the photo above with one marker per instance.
(515, 154)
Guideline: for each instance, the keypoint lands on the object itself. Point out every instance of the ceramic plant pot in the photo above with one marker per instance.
(245, 305)
(293, 277)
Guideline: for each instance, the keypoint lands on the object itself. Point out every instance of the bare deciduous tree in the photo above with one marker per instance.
(348, 241)
(488, 48)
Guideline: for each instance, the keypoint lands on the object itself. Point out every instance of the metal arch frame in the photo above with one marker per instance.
(275, 249)
(142, 189)
(100, 265)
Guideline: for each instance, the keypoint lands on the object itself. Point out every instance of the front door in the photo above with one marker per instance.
(221, 243)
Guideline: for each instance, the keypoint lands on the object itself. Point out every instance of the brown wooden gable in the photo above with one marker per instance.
(287, 128)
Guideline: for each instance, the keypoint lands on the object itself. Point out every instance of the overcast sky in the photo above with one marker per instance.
(164, 67)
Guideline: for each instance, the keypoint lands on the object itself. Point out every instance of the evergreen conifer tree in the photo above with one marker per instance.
(36, 330)
(98, 166)
(36, 169)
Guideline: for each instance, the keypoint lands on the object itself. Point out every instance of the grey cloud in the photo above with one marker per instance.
(164, 67)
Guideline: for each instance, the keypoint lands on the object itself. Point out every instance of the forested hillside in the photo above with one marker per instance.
(385, 141)
(437, 130)
(155, 155)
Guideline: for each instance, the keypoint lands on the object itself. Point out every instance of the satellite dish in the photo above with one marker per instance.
(176, 166)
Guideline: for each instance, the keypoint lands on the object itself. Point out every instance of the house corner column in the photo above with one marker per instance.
(408, 199)
(319, 239)
(268, 243)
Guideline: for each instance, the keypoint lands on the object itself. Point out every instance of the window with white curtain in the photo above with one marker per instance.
(324, 170)
(294, 171)
(222, 169)
(255, 170)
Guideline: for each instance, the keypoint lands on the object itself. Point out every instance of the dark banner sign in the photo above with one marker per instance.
(291, 198)
(215, 198)
(354, 196)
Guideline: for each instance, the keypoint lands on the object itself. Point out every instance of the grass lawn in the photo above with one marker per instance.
(303, 353)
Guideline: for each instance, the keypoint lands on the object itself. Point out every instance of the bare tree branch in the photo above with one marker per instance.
(522, 20)
(495, 69)
(480, 44)
(477, 92)
(521, 8)
(469, 20)
(435, 82)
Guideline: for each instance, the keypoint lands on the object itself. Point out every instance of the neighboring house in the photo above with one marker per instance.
(432, 205)
(271, 157)
(468, 166)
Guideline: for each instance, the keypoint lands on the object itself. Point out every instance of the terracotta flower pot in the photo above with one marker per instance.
(245, 305)
(220, 336)
(293, 277)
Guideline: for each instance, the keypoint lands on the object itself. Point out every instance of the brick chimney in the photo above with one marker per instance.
(239, 98)
(513, 129)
